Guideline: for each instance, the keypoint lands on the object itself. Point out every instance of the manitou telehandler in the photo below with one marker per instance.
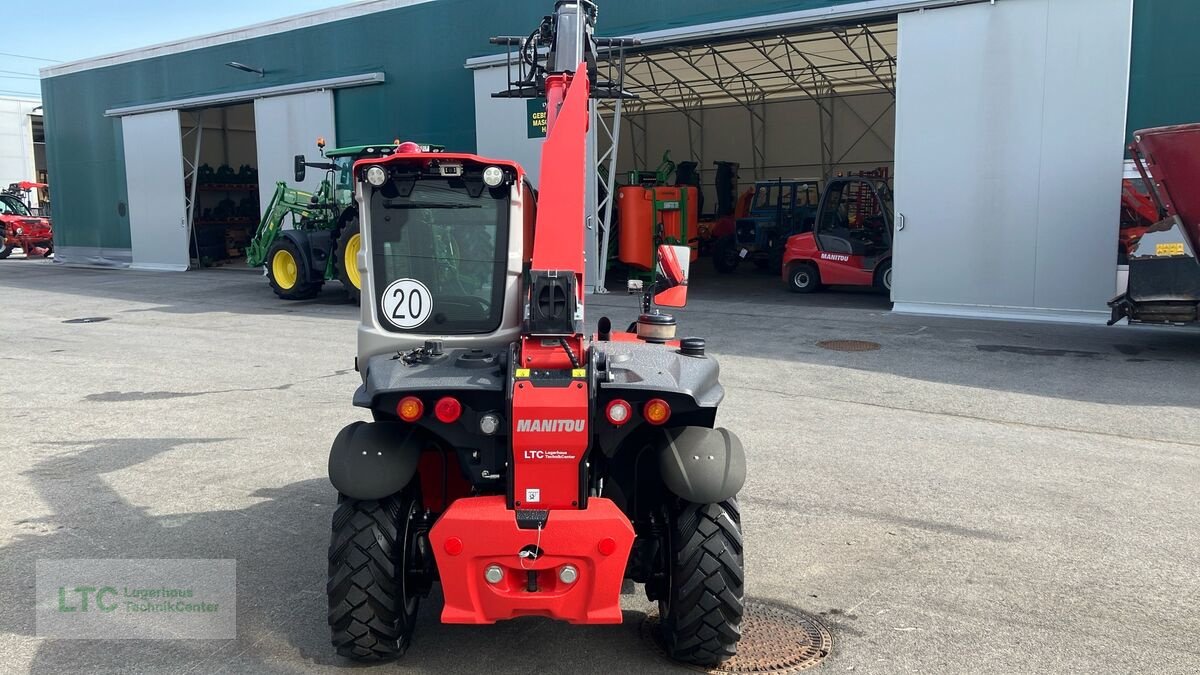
(526, 465)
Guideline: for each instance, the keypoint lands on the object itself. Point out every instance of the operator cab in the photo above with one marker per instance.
(440, 261)
(855, 219)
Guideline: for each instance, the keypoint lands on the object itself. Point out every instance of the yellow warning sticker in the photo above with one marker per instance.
(522, 372)
(579, 372)
(1169, 249)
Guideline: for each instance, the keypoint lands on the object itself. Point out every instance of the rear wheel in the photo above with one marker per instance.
(285, 271)
(702, 608)
(803, 277)
(725, 255)
(349, 245)
(6, 248)
(883, 276)
(372, 606)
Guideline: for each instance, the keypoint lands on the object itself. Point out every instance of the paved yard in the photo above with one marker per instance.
(972, 497)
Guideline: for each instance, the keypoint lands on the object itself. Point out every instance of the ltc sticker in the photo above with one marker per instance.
(407, 303)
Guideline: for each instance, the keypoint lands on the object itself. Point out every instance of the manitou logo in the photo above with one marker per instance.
(551, 425)
(834, 256)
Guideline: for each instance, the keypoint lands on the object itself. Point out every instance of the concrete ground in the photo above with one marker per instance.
(972, 497)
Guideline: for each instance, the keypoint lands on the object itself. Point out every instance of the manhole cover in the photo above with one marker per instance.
(848, 345)
(88, 319)
(775, 639)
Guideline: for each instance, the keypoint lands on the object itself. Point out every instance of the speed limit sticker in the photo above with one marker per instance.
(407, 303)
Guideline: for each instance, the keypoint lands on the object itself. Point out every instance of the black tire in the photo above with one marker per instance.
(803, 277)
(725, 255)
(301, 288)
(883, 276)
(347, 270)
(5, 249)
(702, 611)
(372, 610)
(49, 252)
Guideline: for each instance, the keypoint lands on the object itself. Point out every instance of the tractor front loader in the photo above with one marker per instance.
(323, 241)
(527, 464)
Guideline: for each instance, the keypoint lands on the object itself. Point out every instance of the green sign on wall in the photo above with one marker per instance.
(537, 117)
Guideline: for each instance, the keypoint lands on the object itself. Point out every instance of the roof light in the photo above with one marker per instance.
(447, 410)
(657, 411)
(410, 409)
(376, 176)
(493, 176)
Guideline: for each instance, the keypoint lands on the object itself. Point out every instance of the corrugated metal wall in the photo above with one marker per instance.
(1164, 75)
(428, 94)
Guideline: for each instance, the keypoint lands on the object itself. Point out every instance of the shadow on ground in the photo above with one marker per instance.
(280, 545)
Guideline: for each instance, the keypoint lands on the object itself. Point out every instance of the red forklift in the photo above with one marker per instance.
(524, 461)
(851, 241)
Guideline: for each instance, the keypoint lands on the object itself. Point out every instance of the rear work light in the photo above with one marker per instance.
(656, 411)
(410, 409)
(618, 412)
(447, 409)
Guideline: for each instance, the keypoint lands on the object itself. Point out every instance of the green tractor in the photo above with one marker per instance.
(323, 242)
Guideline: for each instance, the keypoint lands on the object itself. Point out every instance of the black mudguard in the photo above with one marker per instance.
(701, 465)
(371, 460)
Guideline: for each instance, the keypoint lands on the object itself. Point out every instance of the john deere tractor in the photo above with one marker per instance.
(323, 240)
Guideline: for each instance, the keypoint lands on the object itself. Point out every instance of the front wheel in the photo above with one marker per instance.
(6, 248)
(285, 271)
(348, 246)
(702, 608)
(883, 276)
(803, 277)
(372, 606)
(725, 255)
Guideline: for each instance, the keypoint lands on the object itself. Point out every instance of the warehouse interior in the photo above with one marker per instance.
(792, 105)
(220, 155)
(804, 105)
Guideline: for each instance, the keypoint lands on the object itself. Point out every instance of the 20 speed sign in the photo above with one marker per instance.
(407, 303)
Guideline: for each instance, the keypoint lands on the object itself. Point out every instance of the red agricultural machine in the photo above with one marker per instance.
(19, 228)
(1164, 273)
(526, 464)
(851, 241)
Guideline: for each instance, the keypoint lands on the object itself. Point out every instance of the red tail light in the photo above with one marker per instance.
(410, 409)
(618, 412)
(447, 410)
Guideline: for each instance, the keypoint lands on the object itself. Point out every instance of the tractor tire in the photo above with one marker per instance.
(286, 272)
(348, 245)
(883, 276)
(702, 612)
(372, 610)
(725, 256)
(803, 277)
(5, 249)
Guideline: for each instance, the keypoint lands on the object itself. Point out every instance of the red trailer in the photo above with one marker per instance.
(1164, 273)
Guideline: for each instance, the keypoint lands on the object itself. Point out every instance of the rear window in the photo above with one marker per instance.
(453, 244)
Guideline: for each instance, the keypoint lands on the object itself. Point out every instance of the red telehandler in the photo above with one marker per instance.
(527, 466)
(1164, 273)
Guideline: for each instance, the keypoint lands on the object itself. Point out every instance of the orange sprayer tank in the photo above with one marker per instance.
(636, 207)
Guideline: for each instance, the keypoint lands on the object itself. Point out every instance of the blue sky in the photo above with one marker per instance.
(69, 30)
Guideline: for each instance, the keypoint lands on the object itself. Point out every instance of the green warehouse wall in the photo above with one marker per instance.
(1164, 78)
